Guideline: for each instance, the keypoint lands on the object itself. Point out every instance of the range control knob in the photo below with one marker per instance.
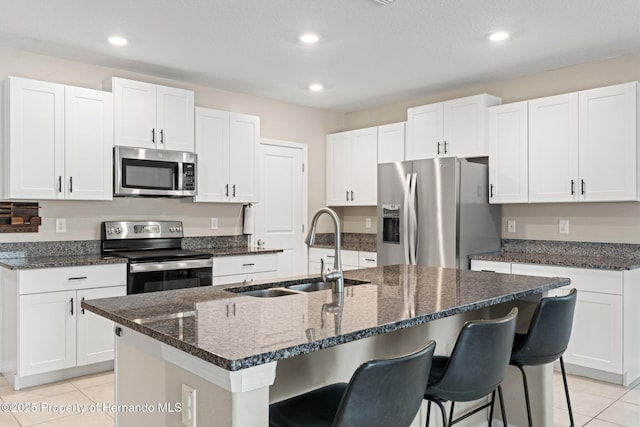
(109, 230)
(118, 230)
(172, 229)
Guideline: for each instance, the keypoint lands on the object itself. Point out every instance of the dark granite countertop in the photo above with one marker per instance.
(242, 250)
(236, 332)
(349, 241)
(30, 263)
(578, 261)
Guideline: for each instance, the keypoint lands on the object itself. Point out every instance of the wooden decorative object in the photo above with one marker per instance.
(19, 217)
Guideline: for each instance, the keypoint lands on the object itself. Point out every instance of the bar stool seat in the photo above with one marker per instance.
(475, 369)
(381, 393)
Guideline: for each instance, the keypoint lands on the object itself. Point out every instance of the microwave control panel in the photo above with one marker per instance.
(188, 171)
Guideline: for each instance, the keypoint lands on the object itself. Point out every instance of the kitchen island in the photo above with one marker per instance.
(241, 352)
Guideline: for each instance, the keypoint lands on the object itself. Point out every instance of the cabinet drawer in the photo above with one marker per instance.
(348, 257)
(495, 266)
(367, 259)
(243, 264)
(583, 279)
(71, 278)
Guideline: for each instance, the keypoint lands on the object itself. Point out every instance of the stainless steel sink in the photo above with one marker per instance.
(269, 292)
(291, 289)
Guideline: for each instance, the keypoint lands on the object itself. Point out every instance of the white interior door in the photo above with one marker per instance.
(282, 212)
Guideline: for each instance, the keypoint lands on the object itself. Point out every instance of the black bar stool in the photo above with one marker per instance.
(381, 393)
(475, 368)
(546, 340)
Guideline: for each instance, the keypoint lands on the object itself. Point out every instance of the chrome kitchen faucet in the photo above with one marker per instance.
(334, 275)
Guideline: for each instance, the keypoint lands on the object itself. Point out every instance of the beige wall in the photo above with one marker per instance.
(601, 222)
(278, 121)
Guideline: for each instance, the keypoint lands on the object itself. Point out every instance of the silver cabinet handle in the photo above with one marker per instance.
(582, 186)
(445, 147)
(491, 191)
(81, 308)
(60, 184)
(153, 135)
(352, 195)
(77, 278)
(438, 147)
(226, 190)
(161, 136)
(573, 187)
(369, 259)
(347, 195)
(248, 265)
(233, 193)
(71, 306)
(70, 184)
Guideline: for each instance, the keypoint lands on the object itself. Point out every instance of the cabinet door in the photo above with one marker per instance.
(491, 266)
(508, 156)
(212, 148)
(364, 167)
(35, 163)
(608, 143)
(47, 333)
(464, 128)
(134, 113)
(174, 120)
(596, 338)
(244, 136)
(88, 144)
(391, 142)
(553, 148)
(424, 132)
(338, 168)
(95, 336)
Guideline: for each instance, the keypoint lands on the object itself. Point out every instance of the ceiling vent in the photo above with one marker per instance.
(384, 1)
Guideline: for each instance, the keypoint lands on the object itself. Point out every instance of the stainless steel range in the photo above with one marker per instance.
(157, 261)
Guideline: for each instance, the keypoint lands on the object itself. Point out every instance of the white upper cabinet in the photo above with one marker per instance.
(450, 128)
(583, 146)
(58, 141)
(553, 148)
(391, 140)
(152, 116)
(88, 144)
(608, 126)
(508, 169)
(352, 168)
(226, 146)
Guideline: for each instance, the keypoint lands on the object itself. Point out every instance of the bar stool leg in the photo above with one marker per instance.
(505, 423)
(493, 401)
(566, 390)
(451, 414)
(428, 413)
(526, 394)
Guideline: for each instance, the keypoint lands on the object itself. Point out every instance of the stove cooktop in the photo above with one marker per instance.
(161, 255)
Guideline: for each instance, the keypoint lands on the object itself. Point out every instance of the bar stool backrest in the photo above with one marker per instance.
(479, 360)
(549, 331)
(387, 392)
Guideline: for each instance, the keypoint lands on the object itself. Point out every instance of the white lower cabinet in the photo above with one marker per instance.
(244, 268)
(45, 328)
(351, 260)
(603, 342)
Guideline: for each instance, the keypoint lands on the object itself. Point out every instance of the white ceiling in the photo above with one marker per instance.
(369, 54)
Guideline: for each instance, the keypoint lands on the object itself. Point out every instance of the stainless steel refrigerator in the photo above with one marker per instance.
(435, 212)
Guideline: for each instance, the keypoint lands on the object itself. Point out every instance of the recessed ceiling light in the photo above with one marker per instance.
(118, 41)
(498, 36)
(316, 87)
(309, 38)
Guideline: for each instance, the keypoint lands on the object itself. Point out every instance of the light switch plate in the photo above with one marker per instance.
(214, 223)
(511, 226)
(188, 406)
(563, 226)
(61, 225)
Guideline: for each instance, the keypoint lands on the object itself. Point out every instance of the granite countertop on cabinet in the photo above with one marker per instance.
(240, 250)
(263, 330)
(30, 263)
(577, 261)
(349, 241)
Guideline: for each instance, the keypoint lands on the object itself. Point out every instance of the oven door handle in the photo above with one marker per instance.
(145, 267)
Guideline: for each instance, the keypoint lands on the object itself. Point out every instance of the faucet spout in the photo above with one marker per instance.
(334, 275)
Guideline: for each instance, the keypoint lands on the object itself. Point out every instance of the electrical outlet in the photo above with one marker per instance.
(563, 226)
(511, 226)
(61, 225)
(214, 223)
(367, 222)
(188, 406)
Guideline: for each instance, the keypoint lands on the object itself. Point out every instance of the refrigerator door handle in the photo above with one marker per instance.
(413, 221)
(405, 220)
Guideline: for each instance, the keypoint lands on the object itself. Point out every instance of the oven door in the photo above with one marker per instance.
(167, 275)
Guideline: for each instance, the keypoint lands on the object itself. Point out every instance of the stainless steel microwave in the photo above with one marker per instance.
(153, 173)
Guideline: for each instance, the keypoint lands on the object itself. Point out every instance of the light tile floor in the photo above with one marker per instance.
(595, 403)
